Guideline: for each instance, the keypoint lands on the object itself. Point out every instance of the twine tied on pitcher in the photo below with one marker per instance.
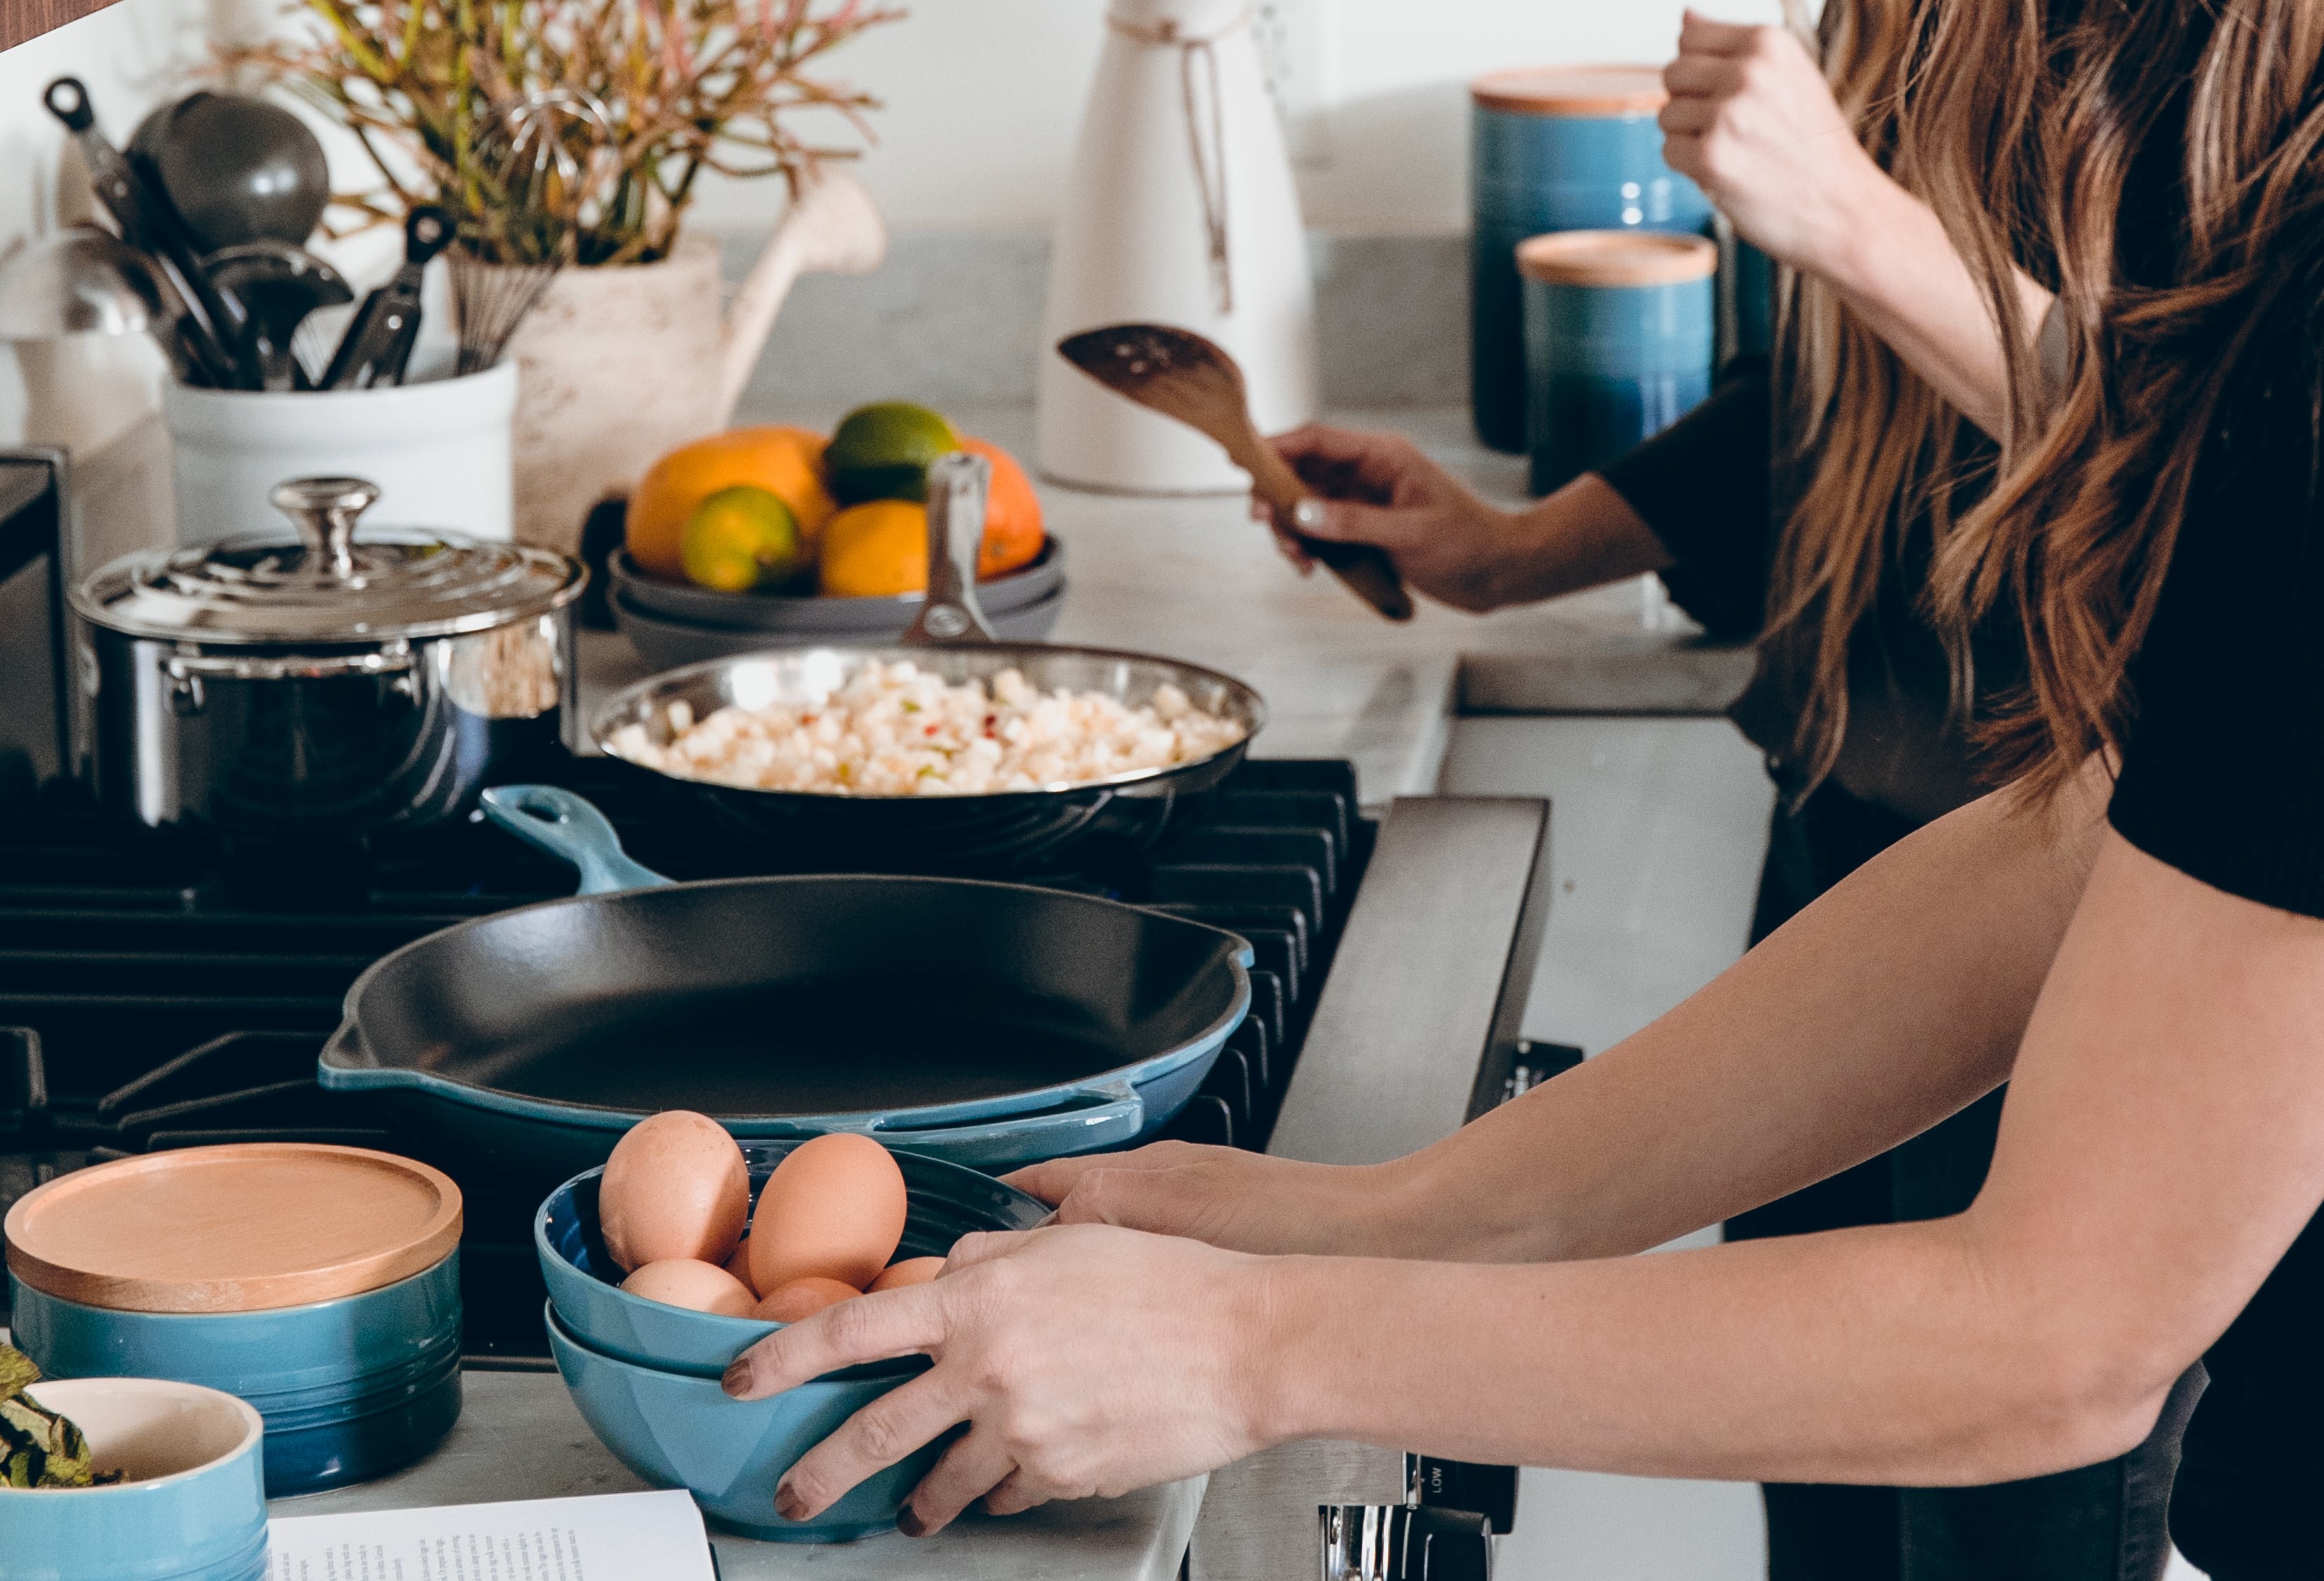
(1196, 53)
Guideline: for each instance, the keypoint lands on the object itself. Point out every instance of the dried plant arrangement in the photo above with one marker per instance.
(571, 132)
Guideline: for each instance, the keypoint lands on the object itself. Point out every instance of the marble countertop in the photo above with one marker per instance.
(1195, 578)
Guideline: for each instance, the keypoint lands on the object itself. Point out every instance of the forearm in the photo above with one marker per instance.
(1899, 272)
(1583, 535)
(1892, 1002)
(1877, 1355)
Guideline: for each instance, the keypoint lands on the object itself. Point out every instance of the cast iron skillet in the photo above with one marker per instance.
(792, 829)
(989, 1024)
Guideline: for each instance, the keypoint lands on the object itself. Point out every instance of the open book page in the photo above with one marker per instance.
(608, 1537)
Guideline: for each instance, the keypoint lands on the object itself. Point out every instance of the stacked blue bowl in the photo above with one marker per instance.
(645, 1375)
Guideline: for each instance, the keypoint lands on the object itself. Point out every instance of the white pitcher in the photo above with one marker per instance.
(1181, 209)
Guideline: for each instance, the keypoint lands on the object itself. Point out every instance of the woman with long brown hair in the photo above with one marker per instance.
(2131, 934)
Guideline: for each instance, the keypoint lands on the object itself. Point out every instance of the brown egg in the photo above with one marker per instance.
(676, 1186)
(699, 1287)
(834, 1206)
(803, 1297)
(912, 1270)
(739, 1265)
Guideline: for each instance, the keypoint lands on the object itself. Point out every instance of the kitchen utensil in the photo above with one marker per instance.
(958, 485)
(1186, 378)
(439, 449)
(202, 327)
(193, 1508)
(1618, 343)
(672, 642)
(1041, 1022)
(278, 285)
(679, 1431)
(624, 366)
(947, 1201)
(981, 832)
(815, 617)
(1179, 208)
(349, 1388)
(333, 687)
(80, 281)
(235, 169)
(540, 176)
(378, 343)
(1555, 148)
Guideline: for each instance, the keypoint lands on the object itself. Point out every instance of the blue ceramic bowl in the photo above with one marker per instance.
(349, 1388)
(194, 1512)
(943, 1202)
(678, 1431)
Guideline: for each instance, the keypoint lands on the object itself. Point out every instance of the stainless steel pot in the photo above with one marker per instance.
(331, 687)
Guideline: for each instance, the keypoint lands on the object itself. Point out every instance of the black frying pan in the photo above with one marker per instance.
(989, 1024)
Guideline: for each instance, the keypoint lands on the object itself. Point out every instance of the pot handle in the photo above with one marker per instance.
(1117, 1119)
(957, 486)
(570, 828)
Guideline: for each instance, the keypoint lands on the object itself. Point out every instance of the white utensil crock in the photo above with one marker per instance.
(1180, 209)
(438, 452)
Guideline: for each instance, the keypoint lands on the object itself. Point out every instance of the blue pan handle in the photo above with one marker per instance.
(570, 828)
(1110, 1124)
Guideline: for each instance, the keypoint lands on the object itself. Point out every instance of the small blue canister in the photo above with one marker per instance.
(1619, 328)
(1556, 149)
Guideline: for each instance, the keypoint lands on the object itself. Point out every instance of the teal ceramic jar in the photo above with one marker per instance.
(1556, 149)
(1618, 331)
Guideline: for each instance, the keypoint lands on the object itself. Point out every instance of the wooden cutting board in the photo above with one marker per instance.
(241, 1228)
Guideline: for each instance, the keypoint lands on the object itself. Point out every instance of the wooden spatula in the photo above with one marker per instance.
(1180, 374)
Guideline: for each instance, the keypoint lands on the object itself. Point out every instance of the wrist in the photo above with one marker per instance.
(1877, 233)
(1278, 1335)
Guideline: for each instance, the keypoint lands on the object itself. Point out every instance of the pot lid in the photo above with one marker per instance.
(328, 586)
(247, 1227)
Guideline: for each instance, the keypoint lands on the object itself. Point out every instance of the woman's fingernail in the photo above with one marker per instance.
(909, 1522)
(789, 1504)
(737, 1380)
(1307, 515)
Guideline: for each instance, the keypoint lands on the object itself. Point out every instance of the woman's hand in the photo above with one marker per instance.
(1086, 1360)
(1245, 1201)
(1380, 489)
(1752, 121)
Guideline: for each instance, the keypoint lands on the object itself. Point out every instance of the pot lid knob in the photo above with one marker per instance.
(324, 511)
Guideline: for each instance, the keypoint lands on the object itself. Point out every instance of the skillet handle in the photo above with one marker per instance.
(1008, 1141)
(571, 829)
(958, 484)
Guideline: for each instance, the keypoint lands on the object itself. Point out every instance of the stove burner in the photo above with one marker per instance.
(157, 994)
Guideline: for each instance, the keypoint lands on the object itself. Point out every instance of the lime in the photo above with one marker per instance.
(741, 538)
(882, 451)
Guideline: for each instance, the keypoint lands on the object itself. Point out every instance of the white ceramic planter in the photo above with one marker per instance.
(439, 451)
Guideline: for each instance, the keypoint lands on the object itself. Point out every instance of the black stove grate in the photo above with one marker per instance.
(154, 995)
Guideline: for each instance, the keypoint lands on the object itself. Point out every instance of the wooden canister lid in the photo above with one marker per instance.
(1572, 90)
(1617, 257)
(242, 1228)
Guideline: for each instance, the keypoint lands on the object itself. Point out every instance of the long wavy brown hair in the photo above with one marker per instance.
(2022, 135)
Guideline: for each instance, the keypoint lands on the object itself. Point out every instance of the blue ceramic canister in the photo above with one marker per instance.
(192, 1509)
(319, 1284)
(1618, 342)
(1554, 149)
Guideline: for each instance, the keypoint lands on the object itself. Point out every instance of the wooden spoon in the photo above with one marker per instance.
(1180, 374)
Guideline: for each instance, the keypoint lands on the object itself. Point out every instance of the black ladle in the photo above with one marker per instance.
(236, 169)
(278, 285)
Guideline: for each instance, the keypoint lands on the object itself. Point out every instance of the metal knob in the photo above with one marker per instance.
(324, 511)
(1400, 1542)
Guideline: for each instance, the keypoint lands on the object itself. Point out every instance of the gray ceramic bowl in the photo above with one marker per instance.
(669, 644)
(870, 620)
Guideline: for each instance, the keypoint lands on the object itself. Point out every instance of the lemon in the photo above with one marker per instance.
(882, 451)
(741, 538)
(876, 551)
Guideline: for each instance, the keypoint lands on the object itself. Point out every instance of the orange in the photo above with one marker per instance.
(786, 462)
(876, 551)
(1012, 514)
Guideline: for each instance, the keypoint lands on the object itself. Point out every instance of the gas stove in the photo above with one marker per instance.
(165, 995)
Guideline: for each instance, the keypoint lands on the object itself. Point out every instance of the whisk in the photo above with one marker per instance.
(545, 186)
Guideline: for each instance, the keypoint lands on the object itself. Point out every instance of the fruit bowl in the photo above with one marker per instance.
(668, 643)
(671, 598)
